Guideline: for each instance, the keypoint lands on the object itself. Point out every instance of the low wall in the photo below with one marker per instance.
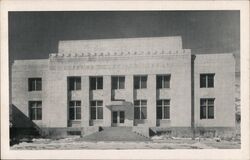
(187, 132)
(89, 130)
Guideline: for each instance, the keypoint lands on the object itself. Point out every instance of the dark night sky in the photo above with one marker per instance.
(36, 34)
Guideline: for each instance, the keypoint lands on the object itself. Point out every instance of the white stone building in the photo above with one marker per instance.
(146, 83)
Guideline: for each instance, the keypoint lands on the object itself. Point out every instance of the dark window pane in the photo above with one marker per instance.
(32, 84)
(71, 114)
(114, 82)
(202, 112)
(203, 102)
(99, 103)
(159, 112)
(159, 102)
(99, 113)
(39, 84)
(122, 116)
(166, 112)
(159, 82)
(71, 84)
(136, 82)
(39, 113)
(137, 113)
(39, 104)
(115, 114)
(166, 102)
(144, 82)
(71, 103)
(78, 103)
(210, 81)
(92, 103)
(166, 82)
(210, 112)
(92, 83)
(202, 81)
(99, 83)
(143, 102)
(78, 112)
(143, 112)
(78, 83)
(93, 112)
(32, 113)
(136, 103)
(210, 102)
(122, 82)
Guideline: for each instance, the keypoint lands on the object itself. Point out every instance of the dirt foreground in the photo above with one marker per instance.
(76, 143)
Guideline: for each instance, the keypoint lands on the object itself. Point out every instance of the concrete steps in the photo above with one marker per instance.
(115, 134)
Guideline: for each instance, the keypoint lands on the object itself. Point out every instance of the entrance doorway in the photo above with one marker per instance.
(118, 118)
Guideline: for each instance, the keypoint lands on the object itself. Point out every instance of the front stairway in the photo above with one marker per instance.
(115, 134)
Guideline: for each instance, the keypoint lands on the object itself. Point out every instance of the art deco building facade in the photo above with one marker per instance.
(145, 83)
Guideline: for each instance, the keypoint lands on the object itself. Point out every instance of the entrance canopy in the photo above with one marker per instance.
(119, 105)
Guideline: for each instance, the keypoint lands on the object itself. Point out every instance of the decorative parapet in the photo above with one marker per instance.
(120, 54)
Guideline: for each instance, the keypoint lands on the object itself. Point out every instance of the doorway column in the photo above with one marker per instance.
(106, 100)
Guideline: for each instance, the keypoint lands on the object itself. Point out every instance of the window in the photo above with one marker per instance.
(163, 81)
(140, 82)
(206, 80)
(96, 83)
(163, 109)
(118, 82)
(35, 84)
(75, 110)
(207, 108)
(96, 110)
(35, 110)
(74, 83)
(140, 107)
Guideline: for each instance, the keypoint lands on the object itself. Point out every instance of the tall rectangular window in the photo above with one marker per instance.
(96, 110)
(74, 83)
(35, 84)
(163, 81)
(35, 110)
(163, 109)
(140, 109)
(207, 80)
(140, 82)
(75, 110)
(96, 83)
(206, 108)
(118, 82)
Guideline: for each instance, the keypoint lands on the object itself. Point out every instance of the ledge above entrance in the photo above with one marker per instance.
(117, 105)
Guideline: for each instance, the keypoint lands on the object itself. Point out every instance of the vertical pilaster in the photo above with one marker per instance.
(85, 101)
(106, 100)
(129, 86)
(151, 100)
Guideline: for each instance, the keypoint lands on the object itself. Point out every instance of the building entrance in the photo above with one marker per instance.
(118, 118)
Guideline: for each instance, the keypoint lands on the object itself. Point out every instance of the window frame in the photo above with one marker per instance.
(96, 81)
(97, 108)
(74, 80)
(140, 81)
(75, 107)
(206, 105)
(36, 88)
(140, 106)
(206, 77)
(163, 77)
(162, 107)
(36, 107)
(118, 82)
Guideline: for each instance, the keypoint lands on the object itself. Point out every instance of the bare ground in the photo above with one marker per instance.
(76, 143)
